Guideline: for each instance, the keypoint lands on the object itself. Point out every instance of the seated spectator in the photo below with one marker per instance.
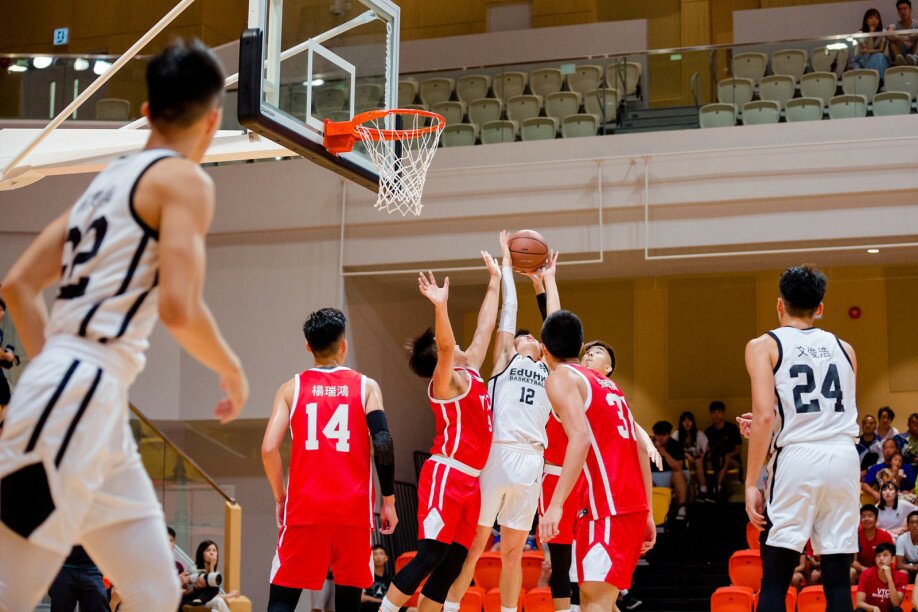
(724, 447)
(885, 417)
(907, 546)
(814, 564)
(908, 441)
(893, 511)
(184, 578)
(7, 360)
(694, 444)
(373, 596)
(906, 479)
(673, 475)
(868, 538)
(79, 581)
(903, 49)
(881, 588)
(871, 51)
(208, 595)
(798, 581)
(869, 445)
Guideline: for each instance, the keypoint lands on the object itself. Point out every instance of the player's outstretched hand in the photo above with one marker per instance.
(236, 387)
(505, 248)
(546, 270)
(745, 423)
(650, 534)
(388, 517)
(755, 506)
(548, 525)
(493, 268)
(429, 288)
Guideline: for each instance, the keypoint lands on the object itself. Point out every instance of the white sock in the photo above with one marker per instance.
(506, 609)
(575, 608)
(567, 610)
(450, 606)
(388, 606)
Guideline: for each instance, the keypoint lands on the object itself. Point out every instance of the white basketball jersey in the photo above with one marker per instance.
(519, 403)
(815, 388)
(109, 270)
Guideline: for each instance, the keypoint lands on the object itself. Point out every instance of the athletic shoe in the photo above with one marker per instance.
(900, 60)
(911, 59)
(680, 513)
(630, 602)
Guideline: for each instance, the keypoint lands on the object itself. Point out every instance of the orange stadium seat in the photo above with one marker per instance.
(811, 599)
(473, 600)
(732, 599)
(752, 536)
(745, 569)
(403, 559)
(532, 569)
(854, 595)
(492, 601)
(907, 602)
(539, 600)
(790, 600)
(487, 571)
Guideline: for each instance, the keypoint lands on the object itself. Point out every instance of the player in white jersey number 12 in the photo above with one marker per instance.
(803, 406)
(129, 250)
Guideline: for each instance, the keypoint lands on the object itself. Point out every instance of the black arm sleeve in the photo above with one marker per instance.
(383, 451)
(543, 304)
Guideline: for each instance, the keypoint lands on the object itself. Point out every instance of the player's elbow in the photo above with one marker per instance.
(174, 312)
(269, 449)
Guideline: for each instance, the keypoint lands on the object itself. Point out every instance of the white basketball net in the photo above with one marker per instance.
(402, 163)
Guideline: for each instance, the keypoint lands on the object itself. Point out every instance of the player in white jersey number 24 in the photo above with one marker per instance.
(803, 408)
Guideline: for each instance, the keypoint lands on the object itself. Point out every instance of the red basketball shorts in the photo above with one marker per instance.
(572, 506)
(608, 549)
(306, 552)
(449, 502)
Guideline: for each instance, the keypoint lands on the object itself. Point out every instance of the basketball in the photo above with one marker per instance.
(528, 250)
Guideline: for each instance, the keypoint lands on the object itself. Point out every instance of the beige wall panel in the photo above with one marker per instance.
(902, 329)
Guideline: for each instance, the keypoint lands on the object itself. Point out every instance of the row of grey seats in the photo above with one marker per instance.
(534, 128)
(791, 62)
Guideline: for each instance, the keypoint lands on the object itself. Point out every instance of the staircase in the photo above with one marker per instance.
(634, 119)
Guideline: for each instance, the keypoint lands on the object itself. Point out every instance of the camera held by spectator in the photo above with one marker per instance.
(211, 579)
(12, 349)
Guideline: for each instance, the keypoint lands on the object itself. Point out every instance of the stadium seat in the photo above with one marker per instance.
(502, 130)
(750, 65)
(847, 107)
(532, 569)
(545, 81)
(867, 498)
(735, 91)
(492, 601)
(761, 111)
(907, 602)
(745, 569)
(403, 560)
(623, 76)
(539, 128)
(823, 59)
(473, 601)
(561, 104)
(820, 85)
(662, 498)
(716, 115)
(811, 599)
(521, 108)
(538, 600)
(484, 110)
(459, 135)
(790, 600)
(752, 536)
(113, 109)
(803, 109)
(732, 599)
(603, 103)
(854, 594)
(777, 88)
(891, 103)
(437, 89)
(407, 92)
(487, 571)
(861, 82)
(509, 84)
(789, 62)
(368, 94)
(586, 77)
(579, 125)
(452, 110)
(902, 78)
(472, 87)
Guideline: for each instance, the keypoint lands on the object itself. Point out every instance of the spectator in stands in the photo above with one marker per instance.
(694, 444)
(673, 474)
(908, 441)
(207, 594)
(869, 445)
(907, 478)
(869, 536)
(881, 588)
(814, 564)
(79, 581)
(885, 417)
(893, 511)
(373, 596)
(7, 359)
(724, 447)
(184, 578)
(798, 581)
(903, 49)
(871, 51)
(907, 546)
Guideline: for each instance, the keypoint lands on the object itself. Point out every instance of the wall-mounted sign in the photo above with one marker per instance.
(61, 36)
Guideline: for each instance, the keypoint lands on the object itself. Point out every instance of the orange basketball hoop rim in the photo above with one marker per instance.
(340, 136)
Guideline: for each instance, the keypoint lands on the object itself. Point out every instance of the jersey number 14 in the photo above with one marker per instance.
(336, 428)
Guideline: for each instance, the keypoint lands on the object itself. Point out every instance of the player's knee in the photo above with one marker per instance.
(511, 551)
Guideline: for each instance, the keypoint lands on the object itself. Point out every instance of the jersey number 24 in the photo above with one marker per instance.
(831, 388)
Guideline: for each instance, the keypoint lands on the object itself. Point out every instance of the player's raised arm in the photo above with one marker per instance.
(383, 455)
(487, 316)
(445, 382)
(278, 425)
(506, 326)
(541, 289)
(39, 267)
(552, 299)
(180, 196)
(761, 355)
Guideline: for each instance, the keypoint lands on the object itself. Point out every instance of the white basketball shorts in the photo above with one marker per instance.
(510, 485)
(814, 493)
(68, 461)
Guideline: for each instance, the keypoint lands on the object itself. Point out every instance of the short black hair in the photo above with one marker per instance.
(324, 329)
(183, 82)
(170, 531)
(908, 2)
(422, 354)
(913, 513)
(717, 405)
(802, 289)
(887, 410)
(199, 554)
(2, 304)
(662, 427)
(885, 547)
(607, 348)
(562, 334)
(893, 440)
(870, 508)
(380, 547)
(522, 332)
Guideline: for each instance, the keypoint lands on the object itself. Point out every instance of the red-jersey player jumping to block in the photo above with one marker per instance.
(325, 513)
(603, 442)
(449, 498)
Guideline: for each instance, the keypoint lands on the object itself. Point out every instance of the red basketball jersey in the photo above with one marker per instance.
(612, 468)
(330, 479)
(464, 423)
(557, 440)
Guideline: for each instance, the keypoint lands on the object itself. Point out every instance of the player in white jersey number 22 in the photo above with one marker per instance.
(129, 250)
(803, 408)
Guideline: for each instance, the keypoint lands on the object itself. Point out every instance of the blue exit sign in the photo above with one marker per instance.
(61, 36)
